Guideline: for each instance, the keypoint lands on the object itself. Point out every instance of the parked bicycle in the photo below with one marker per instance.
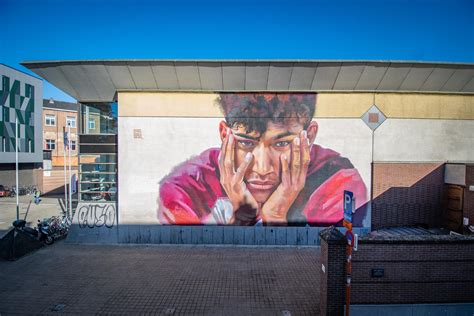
(24, 190)
(32, 189)
(20, 191)
(58, 226)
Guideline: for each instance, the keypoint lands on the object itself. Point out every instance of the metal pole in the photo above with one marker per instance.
(347, 223)
(70, 173)
(16, 170)
(65, 172)
(348, 272)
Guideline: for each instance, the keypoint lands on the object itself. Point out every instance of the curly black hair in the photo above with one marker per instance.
(254, 111)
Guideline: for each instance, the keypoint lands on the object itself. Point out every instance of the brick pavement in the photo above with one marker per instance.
(166, 280)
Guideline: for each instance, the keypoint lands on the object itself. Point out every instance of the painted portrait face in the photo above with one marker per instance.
(264, 174)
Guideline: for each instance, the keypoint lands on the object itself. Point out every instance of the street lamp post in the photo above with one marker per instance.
(16, 170)
(70, 173)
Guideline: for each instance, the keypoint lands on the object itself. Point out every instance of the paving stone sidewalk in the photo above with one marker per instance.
(165, 280)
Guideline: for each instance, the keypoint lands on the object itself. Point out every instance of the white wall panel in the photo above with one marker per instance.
(167, 142)
(424, 140)
(351, 138)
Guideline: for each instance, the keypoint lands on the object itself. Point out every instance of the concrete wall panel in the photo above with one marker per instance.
(167, 142)
(418, 140)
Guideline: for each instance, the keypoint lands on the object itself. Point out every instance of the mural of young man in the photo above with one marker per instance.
(268, 169)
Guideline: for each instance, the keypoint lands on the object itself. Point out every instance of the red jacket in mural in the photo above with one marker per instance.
(189, 194)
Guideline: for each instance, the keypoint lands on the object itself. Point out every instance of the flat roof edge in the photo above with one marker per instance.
(23, 72)
(302, 61)
(297, 91)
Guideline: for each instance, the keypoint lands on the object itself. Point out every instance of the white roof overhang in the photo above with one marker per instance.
(99, 80)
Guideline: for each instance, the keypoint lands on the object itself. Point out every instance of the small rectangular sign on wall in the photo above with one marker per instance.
(378, 272)
(137, 133)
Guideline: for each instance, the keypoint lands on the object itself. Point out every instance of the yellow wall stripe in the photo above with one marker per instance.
(330, 105)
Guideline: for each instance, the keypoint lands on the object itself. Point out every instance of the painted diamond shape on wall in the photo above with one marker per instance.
(373, 117)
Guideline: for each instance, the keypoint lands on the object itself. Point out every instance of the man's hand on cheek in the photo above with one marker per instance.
(232, 181)
(293, 177)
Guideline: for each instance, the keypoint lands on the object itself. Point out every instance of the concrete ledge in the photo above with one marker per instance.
(418, 239)
(217, 235)
(460, 309)
(99, 235)
(94, 223)
(97, 223)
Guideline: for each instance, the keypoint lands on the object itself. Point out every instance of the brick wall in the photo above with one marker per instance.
(407, 194)
(59, 160)
(468, 208)
(56, 133)
(53, 181)
(332, 281)
(423, 269)
(417, 269)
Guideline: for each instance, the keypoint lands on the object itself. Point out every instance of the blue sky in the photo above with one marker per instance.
(424, 30)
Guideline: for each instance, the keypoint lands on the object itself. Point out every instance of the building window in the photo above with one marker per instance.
(4, 144)
(104, 116)
(50, 144)
(73, 145)
(97, 155)
(50, 120)
(29, 146)
(71, 121)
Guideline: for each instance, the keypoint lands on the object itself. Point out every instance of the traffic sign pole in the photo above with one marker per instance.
(349, 206)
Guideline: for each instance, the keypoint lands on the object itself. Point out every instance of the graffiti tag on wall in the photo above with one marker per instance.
(96, 215)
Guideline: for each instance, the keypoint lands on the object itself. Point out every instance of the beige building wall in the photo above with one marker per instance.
(329, 105)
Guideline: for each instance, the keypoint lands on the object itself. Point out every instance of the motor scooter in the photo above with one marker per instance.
(41, 232)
